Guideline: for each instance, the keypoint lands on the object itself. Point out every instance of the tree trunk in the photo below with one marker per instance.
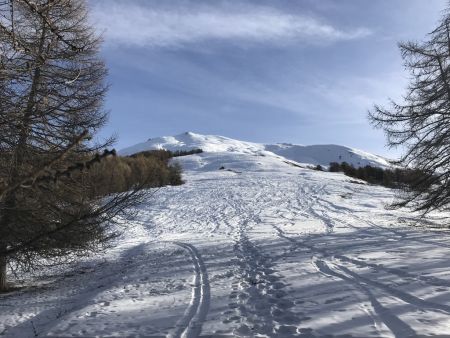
(19, 154)
(3, 280)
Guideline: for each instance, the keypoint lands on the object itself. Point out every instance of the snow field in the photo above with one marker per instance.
(264, 249)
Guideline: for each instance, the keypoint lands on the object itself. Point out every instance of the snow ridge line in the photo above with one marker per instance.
(190, 325)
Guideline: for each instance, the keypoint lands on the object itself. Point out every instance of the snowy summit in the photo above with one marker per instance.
(303, 155)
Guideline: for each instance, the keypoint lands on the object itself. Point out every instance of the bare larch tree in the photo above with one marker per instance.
(52, 88)
(421, 123)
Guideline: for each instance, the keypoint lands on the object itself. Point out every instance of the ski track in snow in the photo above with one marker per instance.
(397, 327)
(289, 251)
(190, 325)
(381, 314)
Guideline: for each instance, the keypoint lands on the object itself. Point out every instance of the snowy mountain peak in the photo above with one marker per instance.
(215, 144)
(190, 140)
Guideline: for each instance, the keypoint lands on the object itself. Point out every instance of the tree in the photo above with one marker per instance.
(52, 87)
(421, 123)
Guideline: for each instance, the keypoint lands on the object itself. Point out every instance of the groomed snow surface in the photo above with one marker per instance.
(262, 248)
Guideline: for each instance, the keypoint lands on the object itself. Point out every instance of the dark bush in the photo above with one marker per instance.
(165, 155)
(392, 178)
(335, 167)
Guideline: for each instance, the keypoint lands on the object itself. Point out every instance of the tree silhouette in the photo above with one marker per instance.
(421, 123)
(52, 87)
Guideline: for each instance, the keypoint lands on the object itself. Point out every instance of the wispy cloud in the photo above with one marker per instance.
(129, 23)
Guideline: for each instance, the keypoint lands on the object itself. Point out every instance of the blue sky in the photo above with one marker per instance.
(304, 71)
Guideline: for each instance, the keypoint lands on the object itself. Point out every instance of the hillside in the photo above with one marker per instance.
(264, 249)
(306, 155)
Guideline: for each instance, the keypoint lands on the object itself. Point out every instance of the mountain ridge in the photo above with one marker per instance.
(321, 154)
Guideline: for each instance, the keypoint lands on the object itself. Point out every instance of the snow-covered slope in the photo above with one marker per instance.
(327, 153)
(266, 249)
(189, 141)
(256, 253)
(310, 155)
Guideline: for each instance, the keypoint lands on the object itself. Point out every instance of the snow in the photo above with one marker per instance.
(325, 154)
(189, 141)
(312, 155)
(261, 248)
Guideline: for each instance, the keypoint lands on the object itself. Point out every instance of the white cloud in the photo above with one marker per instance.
(128, 23)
